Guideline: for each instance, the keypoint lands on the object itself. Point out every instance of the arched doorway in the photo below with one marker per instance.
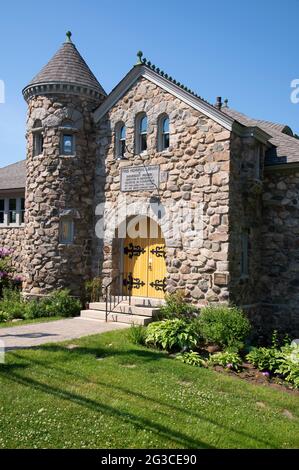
(144, 264)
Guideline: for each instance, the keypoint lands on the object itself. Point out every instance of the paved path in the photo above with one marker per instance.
(28, 336)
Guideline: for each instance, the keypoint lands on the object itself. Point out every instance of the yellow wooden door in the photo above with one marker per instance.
(144, 266)
(156, 268)
(135, 266)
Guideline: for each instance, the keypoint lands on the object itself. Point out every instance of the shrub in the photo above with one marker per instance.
(12, 305)
(288, 364)
(137, 334)
(264, 358)
(172, 335)
(93, 289)
(224, 326)
(61, 303)
(7, 278)
(177, 307)
(230, 360)
(192, 358)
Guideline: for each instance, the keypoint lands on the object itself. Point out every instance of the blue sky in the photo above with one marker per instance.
(246, 52)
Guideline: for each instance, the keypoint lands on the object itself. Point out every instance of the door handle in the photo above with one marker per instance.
(150, 265)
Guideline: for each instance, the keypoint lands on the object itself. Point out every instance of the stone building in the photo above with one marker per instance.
(153, 187)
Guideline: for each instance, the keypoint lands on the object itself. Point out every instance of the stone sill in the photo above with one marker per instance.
(12, 226)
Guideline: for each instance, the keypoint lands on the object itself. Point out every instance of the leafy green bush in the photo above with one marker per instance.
(137, 334)
(228, 359)
(264, 358)
(59, 303)
(224, 326)
(8, 279)
(93, 290)
(192, 358)
(12, 305)
(172, 335)
(177, 307)
(288, 364)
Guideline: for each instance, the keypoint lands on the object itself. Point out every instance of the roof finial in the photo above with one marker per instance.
(225, 105)
(139, 55)
(68, 36)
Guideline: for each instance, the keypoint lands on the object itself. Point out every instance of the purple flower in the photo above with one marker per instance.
(4, 252)
(17, 278)
(266, 374)
(230, 365)
(3, 274)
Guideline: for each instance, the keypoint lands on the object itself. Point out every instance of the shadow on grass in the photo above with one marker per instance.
(149, 355)
(137, 421)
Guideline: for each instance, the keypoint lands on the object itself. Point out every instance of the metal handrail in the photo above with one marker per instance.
(113, 300)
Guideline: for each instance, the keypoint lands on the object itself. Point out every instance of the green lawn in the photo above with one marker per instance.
(7, 324)
(108, 393)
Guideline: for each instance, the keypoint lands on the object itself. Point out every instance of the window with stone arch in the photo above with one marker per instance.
(67, 138)
(141, 133)
(163, 132)
(120, 140)
(38, 139)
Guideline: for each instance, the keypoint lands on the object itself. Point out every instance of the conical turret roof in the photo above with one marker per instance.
(67, 71)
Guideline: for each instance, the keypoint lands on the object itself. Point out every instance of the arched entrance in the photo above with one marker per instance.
(144, 264)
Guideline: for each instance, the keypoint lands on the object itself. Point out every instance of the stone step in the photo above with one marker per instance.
(143, 301)
(124, 307)
(116, 317)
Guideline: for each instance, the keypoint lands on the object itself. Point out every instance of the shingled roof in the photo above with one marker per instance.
(67, 66)
(13, 176)
(285, 146)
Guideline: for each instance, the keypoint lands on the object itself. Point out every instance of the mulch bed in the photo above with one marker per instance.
(253, 375)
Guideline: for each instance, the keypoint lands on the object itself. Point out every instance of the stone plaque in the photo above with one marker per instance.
(140, 178)
(221, 279)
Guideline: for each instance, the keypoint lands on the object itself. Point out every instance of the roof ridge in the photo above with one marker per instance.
(147, 63)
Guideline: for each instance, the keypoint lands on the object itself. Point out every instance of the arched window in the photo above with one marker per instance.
(120, 140)
(163, 133)
(38, 139)
(141, 133)
(67, 139)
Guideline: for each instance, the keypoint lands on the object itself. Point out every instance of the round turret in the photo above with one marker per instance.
(61, 153)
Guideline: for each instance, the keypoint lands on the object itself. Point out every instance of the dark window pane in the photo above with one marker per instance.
(38, 144)
(123, 133)
(143, 125)
(165, 126)
(122, 147)
(66, 231)
(1, 217)
(22, 210)
(12, 204)
(2, 204)
(165, 141)
(67, 144)
(143, 142)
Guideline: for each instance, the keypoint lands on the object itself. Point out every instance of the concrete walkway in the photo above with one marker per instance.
(35, 334)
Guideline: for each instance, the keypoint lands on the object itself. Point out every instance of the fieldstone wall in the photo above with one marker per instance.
(245, 215)
(13, 238)
(56, 184)
(194, 170)
(280, 249)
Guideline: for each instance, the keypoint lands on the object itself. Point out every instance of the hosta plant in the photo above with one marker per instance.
(192, 358)
(227, 359)
(172, 335)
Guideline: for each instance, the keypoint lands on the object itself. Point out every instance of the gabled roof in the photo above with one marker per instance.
(169, 85)
(285, 147)
(68, 67)
(13, 176)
